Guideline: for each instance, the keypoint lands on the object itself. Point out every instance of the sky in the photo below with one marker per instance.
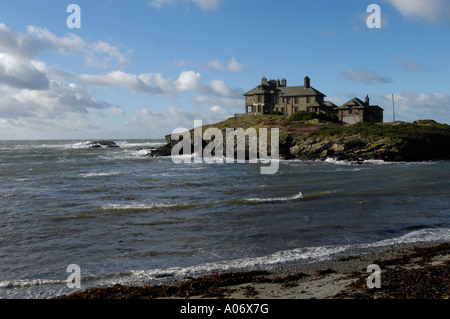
(143, 68)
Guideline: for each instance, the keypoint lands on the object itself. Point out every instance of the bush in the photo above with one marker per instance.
(306, 116)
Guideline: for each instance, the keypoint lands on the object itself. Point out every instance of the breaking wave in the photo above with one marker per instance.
(274, 200)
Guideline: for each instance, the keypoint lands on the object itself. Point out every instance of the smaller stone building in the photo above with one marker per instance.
(355, 111)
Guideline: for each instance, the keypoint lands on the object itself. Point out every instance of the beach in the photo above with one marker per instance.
(409, 271)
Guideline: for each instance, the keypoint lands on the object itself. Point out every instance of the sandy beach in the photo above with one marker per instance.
(416, 271)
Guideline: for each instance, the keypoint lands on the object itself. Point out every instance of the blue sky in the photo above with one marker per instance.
(142, 68)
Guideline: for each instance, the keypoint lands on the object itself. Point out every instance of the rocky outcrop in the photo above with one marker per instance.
(351, 148)
(408, 143)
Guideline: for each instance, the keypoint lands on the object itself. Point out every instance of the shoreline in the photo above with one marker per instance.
(408, 271)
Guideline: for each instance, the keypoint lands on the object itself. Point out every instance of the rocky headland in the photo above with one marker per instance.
(315, 139)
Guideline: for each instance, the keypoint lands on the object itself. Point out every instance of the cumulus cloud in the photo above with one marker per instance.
(34, 96)
(29, 89)
(412, 106)
(155, 83)
(142, 83)
(429, 10)
(232, 66)
(364, 76)
(98, 54)
(205, 5)
(56, 102)
(23, 73)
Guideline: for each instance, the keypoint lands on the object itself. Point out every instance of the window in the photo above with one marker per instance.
(277, 99)
(308, 99)
(259, 108)
(295, 109)
(282, 110)
(288, 100)
(259, 98)
(296, 100)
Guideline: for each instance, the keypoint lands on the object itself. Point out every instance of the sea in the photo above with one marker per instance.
(74, 217)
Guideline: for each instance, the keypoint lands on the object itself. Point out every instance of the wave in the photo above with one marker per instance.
(136, 207)
(274, 200)
(305, 254)
(30, 282)
(300, 255)
(99, 174)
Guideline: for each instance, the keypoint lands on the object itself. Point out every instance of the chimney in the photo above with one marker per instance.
(307, 83)
(283, 83)
(367, 100)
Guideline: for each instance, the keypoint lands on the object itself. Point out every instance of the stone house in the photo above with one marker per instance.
(355, 111)
(275, 97)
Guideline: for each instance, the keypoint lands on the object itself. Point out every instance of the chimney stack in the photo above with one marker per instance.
(283, 83)
(367, 100)
(307, 83)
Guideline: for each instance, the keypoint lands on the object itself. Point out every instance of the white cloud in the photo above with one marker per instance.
(188, 81)
(429, 10)
(220, 87)
(412, 106)
(205, 5)
(56, 102)
(22, 73)
(143, 83)
(364, 76)
(98, 54)
(232, 66)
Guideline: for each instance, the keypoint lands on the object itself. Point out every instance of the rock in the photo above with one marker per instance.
(101, 144)
(337, 148)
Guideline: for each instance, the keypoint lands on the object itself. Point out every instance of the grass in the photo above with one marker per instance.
(298, 124)
(417, 131)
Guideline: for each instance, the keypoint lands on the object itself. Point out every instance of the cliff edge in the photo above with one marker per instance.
(424, 140)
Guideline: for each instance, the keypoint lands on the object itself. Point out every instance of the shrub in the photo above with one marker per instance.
(306, 116)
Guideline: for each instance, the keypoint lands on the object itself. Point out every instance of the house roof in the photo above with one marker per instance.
(358, 104)
(285, 91)
(323, 104)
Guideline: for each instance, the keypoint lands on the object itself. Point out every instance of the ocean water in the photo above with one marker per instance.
(125, 218)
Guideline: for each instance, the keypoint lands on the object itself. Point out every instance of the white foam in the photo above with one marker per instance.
(421, 235)
(138, 206)
(29, 282)
(99, 174)
(306, 254)
(273, 200)
(337, 162)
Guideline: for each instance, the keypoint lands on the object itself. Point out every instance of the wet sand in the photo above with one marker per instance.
(418, 271)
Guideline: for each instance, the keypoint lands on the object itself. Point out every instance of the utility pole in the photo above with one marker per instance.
(393, 107)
